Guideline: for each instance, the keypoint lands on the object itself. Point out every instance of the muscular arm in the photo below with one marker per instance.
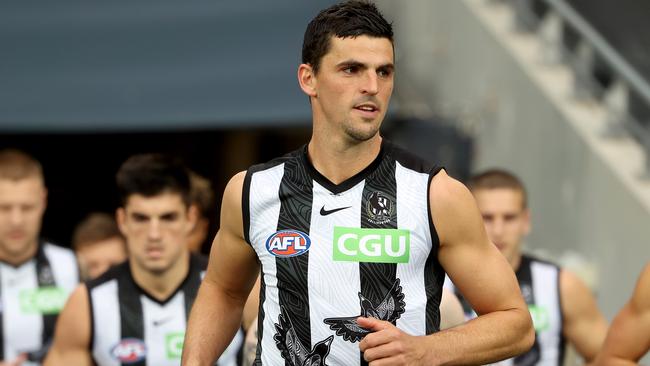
(231, 274)
(628, 338)
(72, 335)
(484, 277)
(584, 325)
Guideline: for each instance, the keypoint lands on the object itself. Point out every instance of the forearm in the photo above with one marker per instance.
(488, 338)
(213, 322)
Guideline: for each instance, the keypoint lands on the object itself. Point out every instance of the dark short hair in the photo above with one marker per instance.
(16, 165)
(498, 179)
(346, 19)
(96, 227)
(153, 174)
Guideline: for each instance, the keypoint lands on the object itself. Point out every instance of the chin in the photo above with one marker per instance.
(362, 136)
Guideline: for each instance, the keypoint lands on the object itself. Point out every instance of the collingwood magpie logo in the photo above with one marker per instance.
(292, 349)
(390, 309)
(379, 208)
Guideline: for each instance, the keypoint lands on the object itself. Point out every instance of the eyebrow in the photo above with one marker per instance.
(354, 63)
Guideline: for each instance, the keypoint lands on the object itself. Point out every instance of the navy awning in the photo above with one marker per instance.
(84, 65)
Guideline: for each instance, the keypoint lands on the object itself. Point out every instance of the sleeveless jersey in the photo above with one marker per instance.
(129, 327)
(540, 286)
(330, 253)
(32, 295)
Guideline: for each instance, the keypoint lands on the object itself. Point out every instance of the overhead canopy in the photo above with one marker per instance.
(80, 65)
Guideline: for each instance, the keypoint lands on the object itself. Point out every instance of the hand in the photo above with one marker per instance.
(388, 345)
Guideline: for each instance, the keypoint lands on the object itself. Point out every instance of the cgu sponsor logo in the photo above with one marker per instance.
(371, 245)
(174, 345)
(288, 243)
(540, 316)
(42, 300)
(129, 350)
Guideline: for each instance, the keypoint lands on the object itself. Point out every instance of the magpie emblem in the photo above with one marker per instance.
(390, 309)
(292, 349)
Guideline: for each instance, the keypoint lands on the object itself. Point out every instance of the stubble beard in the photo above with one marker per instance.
(360, 134)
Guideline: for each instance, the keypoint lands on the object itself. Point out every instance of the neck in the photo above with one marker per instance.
(341, 160)
(161, 285)
(22, 257)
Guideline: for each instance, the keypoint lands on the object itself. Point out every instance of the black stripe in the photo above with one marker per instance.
(434, 274)
(45, 278)
(378, 278)
(91, 314)
(245, 205)
(260, 321)
(131, 317)
(296, 198)
(192, 282)
(526, 283)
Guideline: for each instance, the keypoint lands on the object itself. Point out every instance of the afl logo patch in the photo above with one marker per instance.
(129, 350)
(288, 243)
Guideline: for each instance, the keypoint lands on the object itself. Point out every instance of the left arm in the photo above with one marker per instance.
(584, 325)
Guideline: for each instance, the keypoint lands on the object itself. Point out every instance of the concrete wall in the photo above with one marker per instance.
(461, 58)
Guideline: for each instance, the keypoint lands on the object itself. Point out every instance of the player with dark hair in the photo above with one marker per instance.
(352, 234)
(136, 312)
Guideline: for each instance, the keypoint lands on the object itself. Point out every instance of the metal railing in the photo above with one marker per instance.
(600, 71)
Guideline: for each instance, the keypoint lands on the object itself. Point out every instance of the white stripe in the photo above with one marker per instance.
(545, 281)
(164, 326)
(64, 266)
(325, 299)
(412, 214)
(22, 331)
(106, 322)
(264, 214)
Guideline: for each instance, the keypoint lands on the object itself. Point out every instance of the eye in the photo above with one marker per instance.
(384, 73)
(139, 217)
(510, 217)
(352, 69)
(169, 217)
(27, 208)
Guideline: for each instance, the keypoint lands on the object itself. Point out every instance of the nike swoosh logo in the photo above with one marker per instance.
(162, 321)
(324, 212)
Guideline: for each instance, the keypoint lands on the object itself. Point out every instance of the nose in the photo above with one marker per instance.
(371, 83)
(154, 230)
(16, 216)
(495, 228)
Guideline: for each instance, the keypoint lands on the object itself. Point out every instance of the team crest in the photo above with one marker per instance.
(288, 243)
(390, 309)
(379, 208)
(292, 349)
(129, 350)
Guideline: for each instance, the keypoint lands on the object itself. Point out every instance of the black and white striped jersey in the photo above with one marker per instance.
(32, 295)
(330, 253)
(130, 327)
(539, 281)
